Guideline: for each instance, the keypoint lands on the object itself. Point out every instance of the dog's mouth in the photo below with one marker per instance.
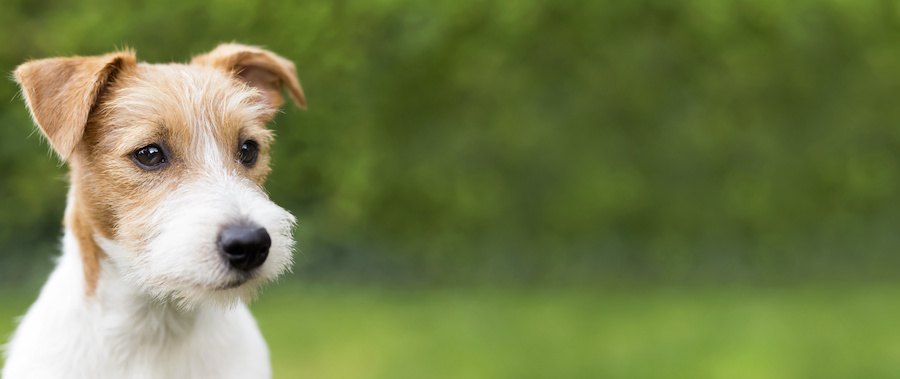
(234, 283)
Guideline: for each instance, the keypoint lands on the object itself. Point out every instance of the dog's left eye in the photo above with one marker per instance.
(248, 152)
(149, 157)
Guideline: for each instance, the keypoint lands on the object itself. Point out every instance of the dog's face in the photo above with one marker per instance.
(169, 167)
(175, 158)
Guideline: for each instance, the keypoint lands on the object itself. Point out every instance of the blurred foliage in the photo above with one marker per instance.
(530, 140)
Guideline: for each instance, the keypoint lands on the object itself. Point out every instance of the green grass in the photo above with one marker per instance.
(733, 333)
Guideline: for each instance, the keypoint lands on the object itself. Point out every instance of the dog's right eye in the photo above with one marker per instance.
(149, 157)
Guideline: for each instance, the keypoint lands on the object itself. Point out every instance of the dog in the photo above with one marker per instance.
(168, 232)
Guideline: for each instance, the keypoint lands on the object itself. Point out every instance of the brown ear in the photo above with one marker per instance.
(61, 92)
(261, 69)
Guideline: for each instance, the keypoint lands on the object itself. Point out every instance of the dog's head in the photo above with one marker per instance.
(168, 164)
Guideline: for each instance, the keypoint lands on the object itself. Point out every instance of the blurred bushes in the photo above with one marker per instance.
(531, 140)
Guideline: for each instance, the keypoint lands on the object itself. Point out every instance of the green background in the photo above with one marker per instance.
(659, 189)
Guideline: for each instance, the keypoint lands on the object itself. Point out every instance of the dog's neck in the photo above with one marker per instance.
(138, 320)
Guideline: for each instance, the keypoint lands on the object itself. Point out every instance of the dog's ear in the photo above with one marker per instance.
(62, 92)
(260, 68)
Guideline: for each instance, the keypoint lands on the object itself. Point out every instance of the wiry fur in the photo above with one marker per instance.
(141, 290)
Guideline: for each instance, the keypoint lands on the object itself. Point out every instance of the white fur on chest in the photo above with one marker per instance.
(120, 333)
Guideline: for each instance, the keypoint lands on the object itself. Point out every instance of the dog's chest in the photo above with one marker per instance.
(163, 343)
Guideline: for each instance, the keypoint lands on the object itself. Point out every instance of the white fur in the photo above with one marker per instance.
(123, 333)
(160, 312)
(183, 264)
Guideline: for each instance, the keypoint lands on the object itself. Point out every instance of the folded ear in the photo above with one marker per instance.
(61, 92)
(260, 68)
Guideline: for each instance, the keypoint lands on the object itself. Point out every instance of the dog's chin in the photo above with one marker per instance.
(237, 283)
(224, 294)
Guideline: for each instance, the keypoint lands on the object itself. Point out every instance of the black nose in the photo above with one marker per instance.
(245, 247)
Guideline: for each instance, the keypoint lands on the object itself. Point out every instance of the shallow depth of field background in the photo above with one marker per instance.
(539, 189)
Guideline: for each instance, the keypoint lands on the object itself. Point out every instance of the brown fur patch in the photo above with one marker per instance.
(78, 219)
(61, 92)
(261, 69)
